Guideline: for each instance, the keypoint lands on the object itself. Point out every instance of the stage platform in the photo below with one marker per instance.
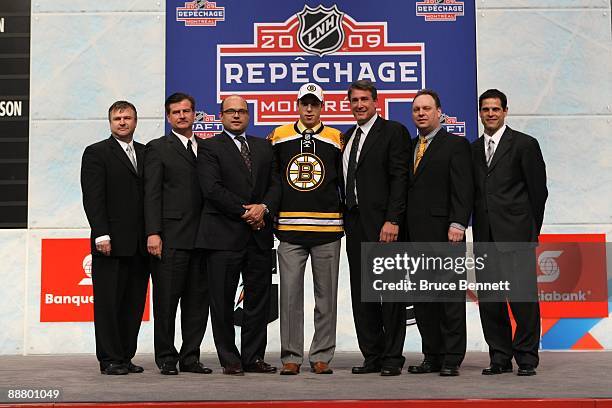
(564, 379)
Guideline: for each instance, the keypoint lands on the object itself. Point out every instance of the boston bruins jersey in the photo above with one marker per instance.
(308, 159)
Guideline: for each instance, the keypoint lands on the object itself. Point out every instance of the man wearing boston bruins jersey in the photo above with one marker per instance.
(309, 223)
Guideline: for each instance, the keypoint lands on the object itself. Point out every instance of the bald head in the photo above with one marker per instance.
(234, 114)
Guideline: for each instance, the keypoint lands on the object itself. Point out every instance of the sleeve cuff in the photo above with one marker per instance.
(458, 226)
(102, 238)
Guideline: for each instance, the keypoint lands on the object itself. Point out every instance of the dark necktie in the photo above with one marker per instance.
(190, 150)
(351, 199)
(244, 151)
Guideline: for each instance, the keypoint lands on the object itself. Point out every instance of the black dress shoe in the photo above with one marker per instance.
(495, 369)
(425, 367)
(526, 370)
(233, 370)
(260, 366)
(449, 371)
(169, 369)
(196, 367)
(365, 369)
(390, 371)
(114, 369)
(134, 369)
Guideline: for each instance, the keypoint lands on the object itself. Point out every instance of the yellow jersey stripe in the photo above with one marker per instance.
(297, 214)
(312, 228)
(334, 141)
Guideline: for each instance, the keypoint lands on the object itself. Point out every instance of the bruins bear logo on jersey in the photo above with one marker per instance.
(305, 172)
(310, 204)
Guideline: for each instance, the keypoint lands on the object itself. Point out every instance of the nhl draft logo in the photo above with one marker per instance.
(439, 10)
(452, 125)
(200, 13)
(206, 125)
(320, 30)
(304, 48)
(305, 172)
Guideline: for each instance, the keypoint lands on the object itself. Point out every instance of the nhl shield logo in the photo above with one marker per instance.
(320, 29)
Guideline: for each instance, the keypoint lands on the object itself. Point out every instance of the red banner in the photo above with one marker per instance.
(66, 292)
(572, 275)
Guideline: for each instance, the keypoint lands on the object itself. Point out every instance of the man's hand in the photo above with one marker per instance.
(254, 213)
(388, 232)
(455, 234)
(258, 226)
(104, 247)
(154, 245)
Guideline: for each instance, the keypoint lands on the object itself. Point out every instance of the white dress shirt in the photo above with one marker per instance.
(124, 146)
(184, 140)
(237, 142)
(496, 138)
(365, 129)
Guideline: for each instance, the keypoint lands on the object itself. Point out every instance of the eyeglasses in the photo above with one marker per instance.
(232, 112)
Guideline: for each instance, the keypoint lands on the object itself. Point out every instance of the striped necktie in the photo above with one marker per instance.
(490, 151)
(130, 153)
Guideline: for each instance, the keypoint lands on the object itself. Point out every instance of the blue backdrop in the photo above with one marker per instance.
(265, 50)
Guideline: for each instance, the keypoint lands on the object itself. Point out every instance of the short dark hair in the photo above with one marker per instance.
(493, 93)
(178, 97)
(121, 105)
(363, 85)
(431, 93)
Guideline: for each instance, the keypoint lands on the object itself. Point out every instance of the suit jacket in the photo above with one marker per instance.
(441, 191)
(113, 196)
(173, 200)
(381, 175)
(511, 193)
(227, 185)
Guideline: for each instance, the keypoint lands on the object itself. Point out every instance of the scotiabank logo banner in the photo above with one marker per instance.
(66, 291)
(572, 280)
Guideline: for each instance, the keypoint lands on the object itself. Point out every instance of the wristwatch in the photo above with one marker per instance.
(266, 209)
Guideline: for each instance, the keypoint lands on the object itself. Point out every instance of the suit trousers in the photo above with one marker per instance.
(224, 268)
(120, 290)
(518, 267)
(380, 326)
(442, 327)
(179, 276)
(324, 260)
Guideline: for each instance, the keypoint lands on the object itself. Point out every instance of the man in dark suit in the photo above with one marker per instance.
(173, 203)
(241, 188)
(440, 195)
(374, 177)
(510, 185)
(111, 181)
